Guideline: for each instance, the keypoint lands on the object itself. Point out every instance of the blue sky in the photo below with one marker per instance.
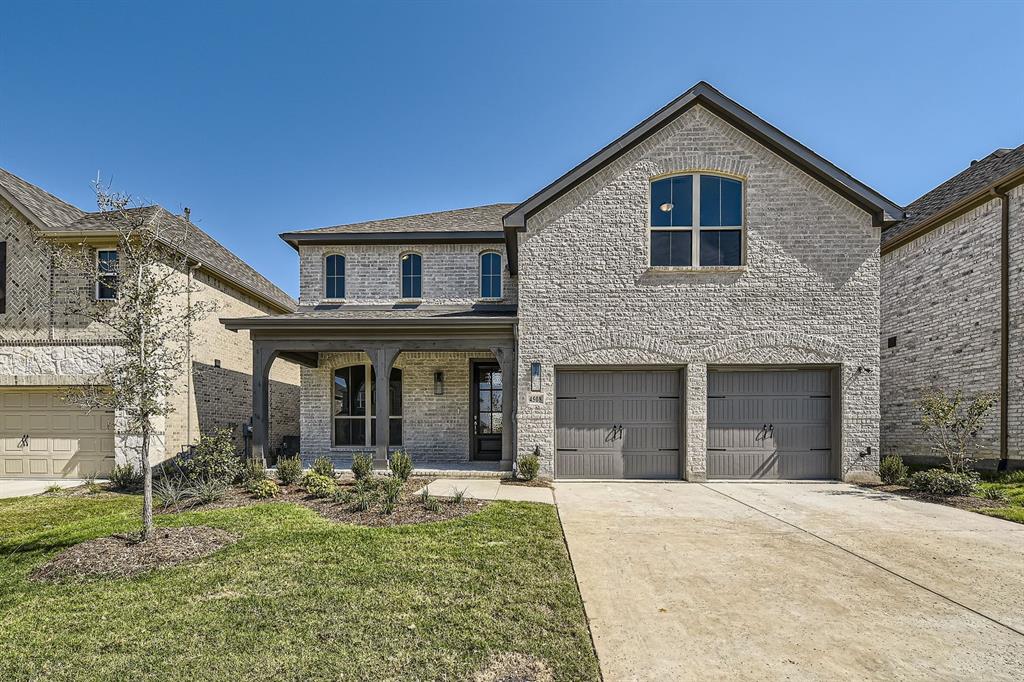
(269, 117)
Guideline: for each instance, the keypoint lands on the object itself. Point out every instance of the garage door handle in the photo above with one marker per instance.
(771, 431)
(24, 441)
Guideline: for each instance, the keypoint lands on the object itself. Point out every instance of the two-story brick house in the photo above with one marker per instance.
(44, 349)
(953, 306)
(699, 299)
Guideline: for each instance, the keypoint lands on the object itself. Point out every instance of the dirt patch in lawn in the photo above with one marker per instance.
(124, 556)
(965, 503)
(513, 667)
(344, 506)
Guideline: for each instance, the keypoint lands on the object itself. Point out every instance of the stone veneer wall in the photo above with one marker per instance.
(434, 429)
(808, 294)
(940, 299)
(451, 273)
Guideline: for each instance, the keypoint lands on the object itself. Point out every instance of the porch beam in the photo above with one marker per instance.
(506, 357)
(263, 356)
(308, 359)
(383, 360)
(326, 345)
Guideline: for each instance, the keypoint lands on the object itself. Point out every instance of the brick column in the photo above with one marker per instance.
(696, 422)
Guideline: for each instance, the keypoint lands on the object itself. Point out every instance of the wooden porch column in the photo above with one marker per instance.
(262, 358)
(506, 357)
(383, 359)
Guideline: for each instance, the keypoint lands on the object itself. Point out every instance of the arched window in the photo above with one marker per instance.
(353, 414)
(412, 275)
(696, 219)
(490, 275)
(334, 279)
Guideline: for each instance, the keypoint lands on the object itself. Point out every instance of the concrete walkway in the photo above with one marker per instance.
(19, 487)
(793, 581)
(488, 489)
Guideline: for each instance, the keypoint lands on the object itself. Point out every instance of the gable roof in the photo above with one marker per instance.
(771, 137)
(956, 195)
(38, 205)
(63, 219)
(476, 224)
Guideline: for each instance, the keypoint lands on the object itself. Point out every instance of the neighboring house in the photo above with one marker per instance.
(699, 299)
(952, 312)
(44, 350)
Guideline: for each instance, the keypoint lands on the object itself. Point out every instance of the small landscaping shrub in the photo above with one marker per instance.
(391, 490)
(996, 494)
(213, 458)
(263, 488)
(253, 471)
(170, 490)
(892, 470)
(431, 504)
(952, 422)
(1013, 477)
(53, 489)
(387, 507)
(942, 482)
(458, 495)
(125, 477)
(362, 502)
(91, 486)
(289, 470)
(318, 485)
(401, 465)
(367, 486)
(362, 465)
(323, 466)
(528, 466)
(208, 490)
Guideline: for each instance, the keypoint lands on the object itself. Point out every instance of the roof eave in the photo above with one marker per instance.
(407, 237)
(275, 323)
(882, 209)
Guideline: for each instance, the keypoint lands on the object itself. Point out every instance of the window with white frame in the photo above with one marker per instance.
(490, 275)
(696, 219)
(355, 406)
(412, 275)
(334, 276)
(106, 274)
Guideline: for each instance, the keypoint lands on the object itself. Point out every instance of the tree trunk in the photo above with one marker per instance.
(147, 487)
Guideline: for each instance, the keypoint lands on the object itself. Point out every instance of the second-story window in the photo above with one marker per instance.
(334, 280)
(696, 219)
(106, 274)
(412, 275)
(490, 275)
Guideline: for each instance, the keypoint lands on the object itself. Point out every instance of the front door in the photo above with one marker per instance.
(487, 422)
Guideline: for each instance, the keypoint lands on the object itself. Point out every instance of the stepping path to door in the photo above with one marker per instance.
(488, 489)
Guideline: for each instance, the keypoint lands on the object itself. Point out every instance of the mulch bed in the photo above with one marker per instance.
(410, 508)
(123, 556)
(535, 483)
(965, 503)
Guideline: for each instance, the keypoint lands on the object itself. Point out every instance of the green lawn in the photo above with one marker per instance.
(298, 598)
(1013, 507)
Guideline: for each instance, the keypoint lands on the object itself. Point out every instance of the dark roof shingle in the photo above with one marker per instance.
(42, 205)
(962, 186)
(475, 218)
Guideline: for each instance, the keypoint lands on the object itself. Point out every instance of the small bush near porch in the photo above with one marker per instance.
(297, 597)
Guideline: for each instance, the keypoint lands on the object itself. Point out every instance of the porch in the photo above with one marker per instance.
(449, 374)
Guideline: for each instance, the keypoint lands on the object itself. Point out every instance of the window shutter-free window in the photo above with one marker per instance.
(696, 219)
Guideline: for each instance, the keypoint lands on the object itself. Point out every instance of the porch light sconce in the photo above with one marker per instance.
(438, 383)
(535, 376)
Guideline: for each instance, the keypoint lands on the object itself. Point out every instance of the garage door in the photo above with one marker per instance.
(42, 436)
(770, 424)
(617, 424)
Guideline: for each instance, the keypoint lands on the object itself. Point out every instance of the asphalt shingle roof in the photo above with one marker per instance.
(965, 184)
(373, 313)
(63, 217)
(475, 218)
(38, 201)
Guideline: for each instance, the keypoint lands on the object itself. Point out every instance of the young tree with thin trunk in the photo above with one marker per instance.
(151, 316)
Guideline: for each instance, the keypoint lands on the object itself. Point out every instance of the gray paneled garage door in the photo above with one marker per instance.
(770, 424)
(617, 424)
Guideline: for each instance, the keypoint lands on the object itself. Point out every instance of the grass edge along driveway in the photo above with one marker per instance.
(298, 597)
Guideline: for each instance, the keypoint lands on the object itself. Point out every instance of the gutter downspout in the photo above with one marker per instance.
(1004, 330)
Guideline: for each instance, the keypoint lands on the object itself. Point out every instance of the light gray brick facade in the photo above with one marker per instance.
(808, 294)
(940, 300)
(451, 273)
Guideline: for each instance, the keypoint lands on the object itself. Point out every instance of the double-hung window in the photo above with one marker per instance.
(412, 275)
(106, 274)
(490, 275)
(696, 219)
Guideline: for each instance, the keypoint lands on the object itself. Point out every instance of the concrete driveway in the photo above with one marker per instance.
(19, 487)
(793, 581)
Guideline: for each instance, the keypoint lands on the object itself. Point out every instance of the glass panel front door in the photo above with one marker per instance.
(487, 412)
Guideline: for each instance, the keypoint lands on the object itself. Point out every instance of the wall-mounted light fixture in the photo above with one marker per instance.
(438, 383)
(534, 376)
